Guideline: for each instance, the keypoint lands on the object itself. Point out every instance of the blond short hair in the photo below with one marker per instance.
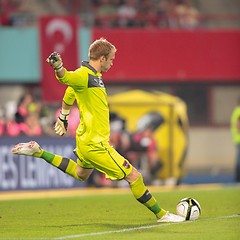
(100, 47)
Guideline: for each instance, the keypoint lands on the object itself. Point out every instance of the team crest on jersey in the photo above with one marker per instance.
(126, 164)
(100, 82)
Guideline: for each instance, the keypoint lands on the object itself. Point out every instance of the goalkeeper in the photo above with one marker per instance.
(93, 151)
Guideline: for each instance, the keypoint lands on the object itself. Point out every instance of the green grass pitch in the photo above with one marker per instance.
(116, 216)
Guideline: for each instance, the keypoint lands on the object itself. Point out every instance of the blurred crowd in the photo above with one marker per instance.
(110, 13)
(9, 10)
(30, 117)
(145, 13)
(27, 117)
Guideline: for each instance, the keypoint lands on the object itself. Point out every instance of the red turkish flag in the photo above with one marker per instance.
(57, 33)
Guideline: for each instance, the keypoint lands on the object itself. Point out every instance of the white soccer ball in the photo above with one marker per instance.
(189, 208)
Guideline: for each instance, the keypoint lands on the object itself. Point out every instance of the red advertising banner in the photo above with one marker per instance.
(57, 33)
(153, 55)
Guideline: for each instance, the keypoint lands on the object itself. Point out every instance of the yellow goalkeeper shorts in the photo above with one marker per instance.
(104, 158)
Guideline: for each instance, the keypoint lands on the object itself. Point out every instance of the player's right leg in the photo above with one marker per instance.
(66, 165)
(142, 194)
(106, 159)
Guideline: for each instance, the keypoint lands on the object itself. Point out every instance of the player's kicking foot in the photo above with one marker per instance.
(29, 148)
(170, 217)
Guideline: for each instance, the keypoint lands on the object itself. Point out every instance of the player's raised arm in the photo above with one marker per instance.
(56, 62)
(61, 124)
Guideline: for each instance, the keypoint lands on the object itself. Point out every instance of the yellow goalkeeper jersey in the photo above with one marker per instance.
(86, 86)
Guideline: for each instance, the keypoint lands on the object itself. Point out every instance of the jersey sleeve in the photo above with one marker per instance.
(75, 79)
(69, 96)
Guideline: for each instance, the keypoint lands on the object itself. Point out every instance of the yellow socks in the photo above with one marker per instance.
(64, 164)
(142, 194)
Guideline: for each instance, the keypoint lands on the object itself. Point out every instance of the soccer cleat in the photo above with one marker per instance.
(170, 217)
(28, 148)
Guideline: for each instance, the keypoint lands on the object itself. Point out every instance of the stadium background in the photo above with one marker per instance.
(200, 65)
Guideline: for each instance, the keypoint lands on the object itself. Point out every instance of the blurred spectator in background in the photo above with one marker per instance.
(162, 11)
(143, 151)
(31, 125)
(127, 13)
(235, 129)
(186, 14)
(22, 13)
(105, 14)
(15, 125)
(8, 8)
(24, 106)
(119, 137)
(145, 16)
(26, 119)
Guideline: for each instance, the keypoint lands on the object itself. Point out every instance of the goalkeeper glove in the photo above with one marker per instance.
(62, 124)
(55, 61)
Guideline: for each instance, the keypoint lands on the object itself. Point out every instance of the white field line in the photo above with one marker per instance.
(138, 228)
(123, 230)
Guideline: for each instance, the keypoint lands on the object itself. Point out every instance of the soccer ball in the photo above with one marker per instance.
(189, 208)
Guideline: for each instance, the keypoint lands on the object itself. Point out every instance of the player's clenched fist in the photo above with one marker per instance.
(55, 61)
(62, 124)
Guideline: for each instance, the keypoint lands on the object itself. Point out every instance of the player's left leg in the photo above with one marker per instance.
(64, 164)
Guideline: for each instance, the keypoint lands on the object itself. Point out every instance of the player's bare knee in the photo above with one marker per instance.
(133, 176)
(82, 173)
